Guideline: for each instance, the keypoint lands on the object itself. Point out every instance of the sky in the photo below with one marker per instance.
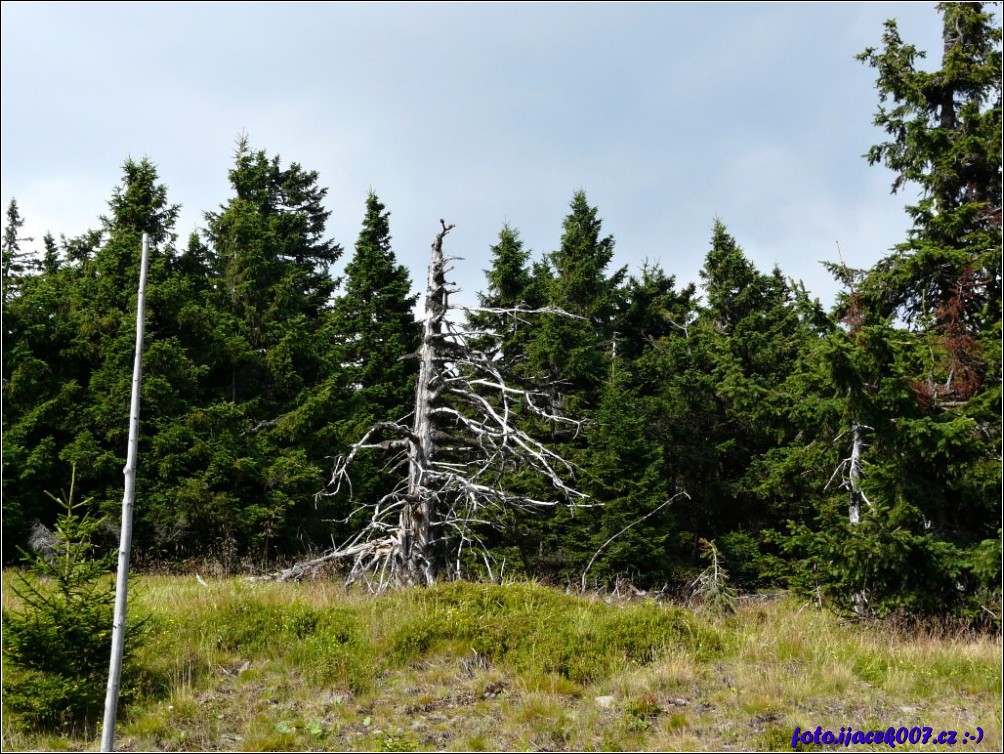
(667, 115)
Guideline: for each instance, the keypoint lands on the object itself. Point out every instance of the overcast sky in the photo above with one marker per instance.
(667, 115)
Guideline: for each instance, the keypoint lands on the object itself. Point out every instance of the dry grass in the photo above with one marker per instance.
(238, 666)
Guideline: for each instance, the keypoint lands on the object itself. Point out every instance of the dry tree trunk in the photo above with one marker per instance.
(855, 495)
(415, 545)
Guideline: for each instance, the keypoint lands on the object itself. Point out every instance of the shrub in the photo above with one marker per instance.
(57, 645)
(712, 585)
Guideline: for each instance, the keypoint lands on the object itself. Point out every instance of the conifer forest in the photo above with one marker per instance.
(570, 422)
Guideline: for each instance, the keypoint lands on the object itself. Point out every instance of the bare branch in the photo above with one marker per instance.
(633, 523)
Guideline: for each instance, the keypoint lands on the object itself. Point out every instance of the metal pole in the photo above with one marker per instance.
(128, 497)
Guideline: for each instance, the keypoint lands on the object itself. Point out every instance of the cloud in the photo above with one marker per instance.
(667, 115)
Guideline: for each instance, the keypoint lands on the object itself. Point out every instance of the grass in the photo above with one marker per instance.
(240, 666)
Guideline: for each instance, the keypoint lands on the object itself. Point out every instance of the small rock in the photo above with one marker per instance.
(605, 701)
(680, 702)
(493, 690)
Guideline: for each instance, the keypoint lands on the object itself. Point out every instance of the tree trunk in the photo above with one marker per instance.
(854, 477)
(951, 36)
(855, 496)
(415, 538)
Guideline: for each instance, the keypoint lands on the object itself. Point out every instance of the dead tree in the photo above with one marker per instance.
(463, 435)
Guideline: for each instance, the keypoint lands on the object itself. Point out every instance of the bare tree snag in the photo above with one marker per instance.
(853, 483)
(462, 438)
(416, 562)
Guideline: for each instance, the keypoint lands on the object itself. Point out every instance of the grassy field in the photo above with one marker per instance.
(240, 666)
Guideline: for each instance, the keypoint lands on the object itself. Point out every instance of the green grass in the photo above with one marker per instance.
(240, 666)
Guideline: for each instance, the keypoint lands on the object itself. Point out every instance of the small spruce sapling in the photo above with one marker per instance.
(712, 585)
(57, 643)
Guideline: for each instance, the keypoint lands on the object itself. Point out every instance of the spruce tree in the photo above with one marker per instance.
(16, 318)
(572, 355)
(940, 473)
(45, 372)
(509, 277)
(57, 641)
(714, 381)
(67, 397)
(574, 351)
(915, 367)
(16, 263)
(945, 137)
(276, 383)
(651, 310)
(274, 264)
(510, 285)
(375, 337)
(374, 323)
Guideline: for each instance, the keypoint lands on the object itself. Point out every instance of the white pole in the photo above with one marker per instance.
(128, 497)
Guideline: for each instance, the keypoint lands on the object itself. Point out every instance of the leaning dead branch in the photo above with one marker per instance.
(637, 521)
